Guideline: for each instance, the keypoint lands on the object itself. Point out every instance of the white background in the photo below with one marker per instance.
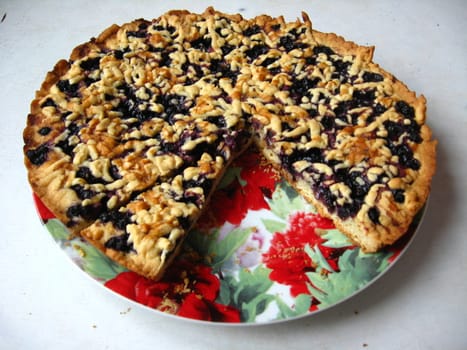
(48, 303)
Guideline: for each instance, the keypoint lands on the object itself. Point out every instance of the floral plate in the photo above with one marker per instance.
(260, 254)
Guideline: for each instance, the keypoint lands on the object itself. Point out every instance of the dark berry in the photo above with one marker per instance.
(373, 214)
(256, 51)
(287, 42)
(90, 64)
(120, 243)
(119, 219)
(364, 97)
(114, 173)
(255, 29)
(398, 195)
(405, 154)
(378, 109)
(141, 33)
(222, 69)
(44, 131)
(202, 44)
(218, 121)
(313, 155)
(38, 155)
(325, 195)
(49, 102)
(328, 123)
(86, 174)
(268, 61)
(89, 212)
(370, 77)
(226, 48)
(66, 147)
(71, 90)
(165, 60)
(394, 130)
(83, 193)
(323, 49)
(300, 87)
(405, 109)
(341, 70)
(348, 210)
(204, 183)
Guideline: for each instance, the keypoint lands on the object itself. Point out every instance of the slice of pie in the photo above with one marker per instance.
(127, 139)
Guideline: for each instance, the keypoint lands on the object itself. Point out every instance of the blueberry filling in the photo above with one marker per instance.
(161, 28)
(325, 195)
(226, 49)
(90, 64)
(86, 174)
(405, 154)
(165, 60)
(218, 121)
(140, 33)
(378, 109)
(202, 44)
(250, 31)
(193, 155)
(173, 105)
(328, 123)
(83, 193)
(341, 70)
(370, 77)
(114, 173)
(44, 131)
(202, 182)
(373, 214)
(398, 195)
(89, 212)
(66, 147)
(118, 54)
(49, 102)
(323, 49)
(289, 43)
(405, 109)
(300, 87)
(119, 219)
(363, 97)
(38, 155)
(222, 70)
(256, 51)
(348, 209)
(120, 243)
(71, 90)
(268, 61)
(313, 155)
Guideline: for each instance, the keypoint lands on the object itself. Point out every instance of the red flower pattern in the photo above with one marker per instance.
(187, 289)
(287, 257)
(256, 183)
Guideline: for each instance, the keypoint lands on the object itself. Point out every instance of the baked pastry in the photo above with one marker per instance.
(127, 139)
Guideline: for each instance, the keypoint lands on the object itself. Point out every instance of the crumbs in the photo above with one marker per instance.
(125, 311)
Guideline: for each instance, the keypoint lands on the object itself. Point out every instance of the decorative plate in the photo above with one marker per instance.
(260, 254)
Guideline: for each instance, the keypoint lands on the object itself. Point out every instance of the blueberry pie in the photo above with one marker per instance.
(127, 139)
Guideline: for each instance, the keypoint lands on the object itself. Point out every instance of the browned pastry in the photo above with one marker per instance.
(127, 139)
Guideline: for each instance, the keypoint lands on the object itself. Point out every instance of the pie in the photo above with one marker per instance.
(127, 139)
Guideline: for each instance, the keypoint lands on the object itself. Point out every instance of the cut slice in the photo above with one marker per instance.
(147, 233)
